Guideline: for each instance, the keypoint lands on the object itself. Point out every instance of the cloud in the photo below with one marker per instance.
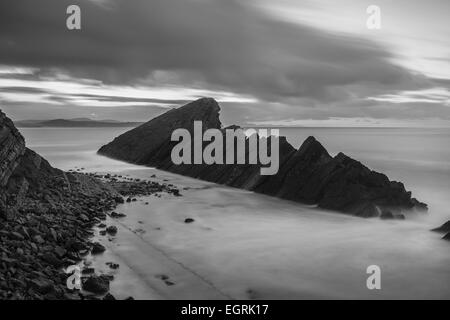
(210, 46)
(220, 44)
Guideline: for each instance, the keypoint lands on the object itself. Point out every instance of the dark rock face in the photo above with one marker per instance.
(96, 284)
(307, 175)
(444, 228)
(150, 142)
(45, 219)
(12, 148)
(97, 248)
(112, 230)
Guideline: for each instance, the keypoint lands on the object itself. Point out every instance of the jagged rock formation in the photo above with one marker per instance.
(307, 175)
(26, 175)
(150, 142)
(46, 219)
(445, 228)
(12, 147)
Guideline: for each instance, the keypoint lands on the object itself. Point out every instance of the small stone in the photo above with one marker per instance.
(84, 217)
(119, 200)
(16, 236)
(42, 286)
(96, 284)
(113, 265)
(97, 248)
(188, 220)
(117, 215)
(54, 234)
(88, 271)
(52, 259)
(112, 230)
(109, 296)
(60, 251)
(38, 239)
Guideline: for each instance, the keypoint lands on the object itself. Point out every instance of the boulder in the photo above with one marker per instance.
(117, 215)
(112, 230)
(97, 248)
(96, 284)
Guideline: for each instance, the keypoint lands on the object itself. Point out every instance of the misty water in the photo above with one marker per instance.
(245, 245)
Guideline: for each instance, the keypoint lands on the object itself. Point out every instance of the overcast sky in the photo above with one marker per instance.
(284, 62)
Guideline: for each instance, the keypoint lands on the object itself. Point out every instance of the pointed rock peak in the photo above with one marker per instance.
(206, 110)
(444, 228)
(203, 103)
(342, 157)
(346, 160)
(313, 147)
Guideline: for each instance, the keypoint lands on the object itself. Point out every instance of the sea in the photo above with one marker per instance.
(248, 246)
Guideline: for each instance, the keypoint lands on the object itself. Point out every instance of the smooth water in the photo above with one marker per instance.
(245, 245)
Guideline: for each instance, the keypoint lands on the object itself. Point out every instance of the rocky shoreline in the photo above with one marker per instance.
(47, 218)
(44, 239)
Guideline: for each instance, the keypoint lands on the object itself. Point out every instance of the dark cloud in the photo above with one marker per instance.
(23, 90)
(214, 44)
(130, 99)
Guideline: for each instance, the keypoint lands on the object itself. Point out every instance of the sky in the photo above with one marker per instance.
(284, 62)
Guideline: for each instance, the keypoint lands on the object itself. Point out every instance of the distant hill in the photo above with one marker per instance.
(74, 123)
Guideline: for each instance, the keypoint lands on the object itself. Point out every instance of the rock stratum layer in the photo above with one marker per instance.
(45, 219)
(308, 175)
(25, 175)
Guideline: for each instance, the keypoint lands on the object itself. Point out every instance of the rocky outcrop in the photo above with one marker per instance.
(12, 147)
(150, 142)
(444, 228)
(45, 219)
(307, 175)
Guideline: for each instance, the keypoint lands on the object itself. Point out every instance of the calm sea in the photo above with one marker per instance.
(276, 249)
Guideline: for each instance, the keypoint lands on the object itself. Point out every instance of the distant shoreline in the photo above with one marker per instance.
(75, 123)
